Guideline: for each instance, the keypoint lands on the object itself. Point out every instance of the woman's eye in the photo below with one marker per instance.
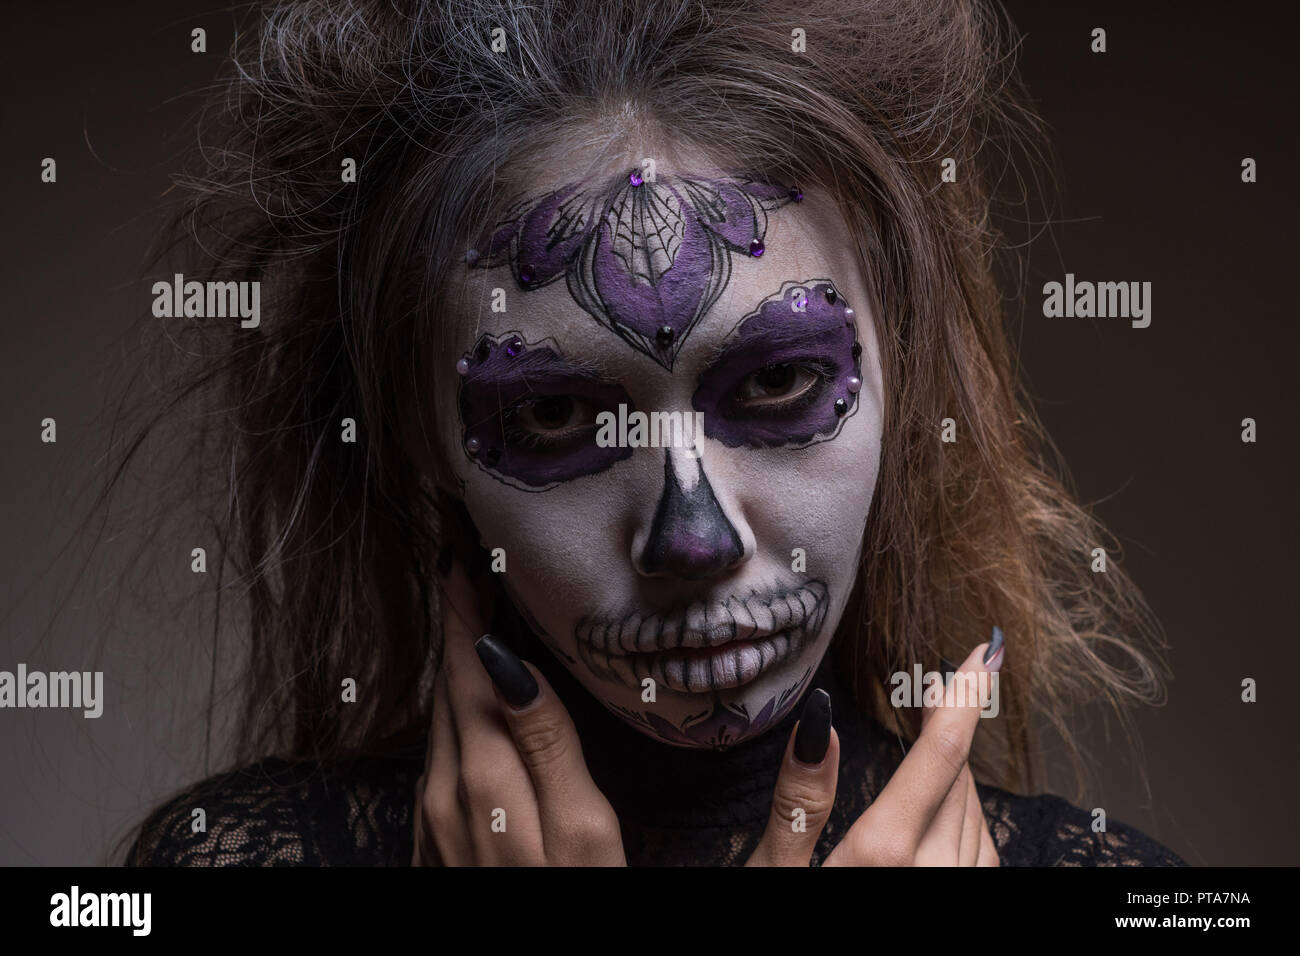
(552, 413)
(549, 420)
(777, 385)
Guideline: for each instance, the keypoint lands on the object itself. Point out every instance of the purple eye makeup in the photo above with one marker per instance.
(529, 415)
(789, 374)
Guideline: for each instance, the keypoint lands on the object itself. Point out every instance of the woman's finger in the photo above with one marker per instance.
(577, 822)
(805, 789)
(988, 851)
(493, 787)
(941, 843)
(892, 828)
(923, 780)
(972, 821)
(442, 820)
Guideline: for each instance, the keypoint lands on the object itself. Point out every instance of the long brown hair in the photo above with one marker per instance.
(333, 545)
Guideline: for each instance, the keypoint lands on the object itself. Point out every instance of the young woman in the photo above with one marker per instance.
(630, 419)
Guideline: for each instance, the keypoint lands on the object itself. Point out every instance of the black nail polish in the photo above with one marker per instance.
(995, 644)
(513, 679)
(947, 668)
(814, 734)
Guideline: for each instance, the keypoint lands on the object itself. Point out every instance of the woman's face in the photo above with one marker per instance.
(672, 440)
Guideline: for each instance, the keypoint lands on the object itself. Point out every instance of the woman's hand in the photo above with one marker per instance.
(504, 782)
(929, 813)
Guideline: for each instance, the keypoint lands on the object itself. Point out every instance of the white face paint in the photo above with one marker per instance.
(676, 565)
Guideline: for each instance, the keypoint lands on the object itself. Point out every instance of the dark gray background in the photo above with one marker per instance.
(1150, 137)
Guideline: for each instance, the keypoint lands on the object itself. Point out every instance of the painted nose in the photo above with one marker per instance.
(690, 536)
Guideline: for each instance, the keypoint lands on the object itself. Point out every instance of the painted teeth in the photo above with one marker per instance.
(627, 635)
(781, 616)
(696, 624)
(647, 635)
(723, 669)
(698, 672)
(762, 615)
(632, 648)
(744, 621)
(620, 667)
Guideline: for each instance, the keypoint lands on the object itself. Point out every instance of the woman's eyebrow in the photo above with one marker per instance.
(546, 360)
(586, 367)
(800, 330)
(802, 327)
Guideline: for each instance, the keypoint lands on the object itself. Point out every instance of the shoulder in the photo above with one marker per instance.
(1046, 830)
(283, 813)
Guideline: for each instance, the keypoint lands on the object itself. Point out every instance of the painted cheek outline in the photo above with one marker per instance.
(498, 372)
(777, 333)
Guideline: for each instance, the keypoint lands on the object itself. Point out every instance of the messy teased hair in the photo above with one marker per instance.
(331, 546)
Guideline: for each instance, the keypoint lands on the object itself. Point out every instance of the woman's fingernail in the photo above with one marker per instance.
(513, 679)
(993, 656)
(814, 734)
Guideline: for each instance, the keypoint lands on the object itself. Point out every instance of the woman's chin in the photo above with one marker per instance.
(712, 719)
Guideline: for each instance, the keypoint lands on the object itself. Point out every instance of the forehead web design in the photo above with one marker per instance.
(645, 259)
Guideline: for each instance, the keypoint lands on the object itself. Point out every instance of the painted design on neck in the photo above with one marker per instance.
(646, 260)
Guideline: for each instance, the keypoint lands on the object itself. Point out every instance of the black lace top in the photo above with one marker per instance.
(676, 806)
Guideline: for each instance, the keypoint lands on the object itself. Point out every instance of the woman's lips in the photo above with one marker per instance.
(708, 646)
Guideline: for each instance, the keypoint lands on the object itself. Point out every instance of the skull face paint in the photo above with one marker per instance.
(675, 569)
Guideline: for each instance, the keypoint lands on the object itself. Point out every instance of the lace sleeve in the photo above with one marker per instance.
(282, 814)
(1047, 831)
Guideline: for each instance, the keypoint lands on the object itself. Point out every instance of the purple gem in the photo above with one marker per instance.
(514, 346)
(471, 258)
(635, 178)
(854, 384)
(796, 194)
(462, 366)
(527, 273)
(756, 248)
(472, 446)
